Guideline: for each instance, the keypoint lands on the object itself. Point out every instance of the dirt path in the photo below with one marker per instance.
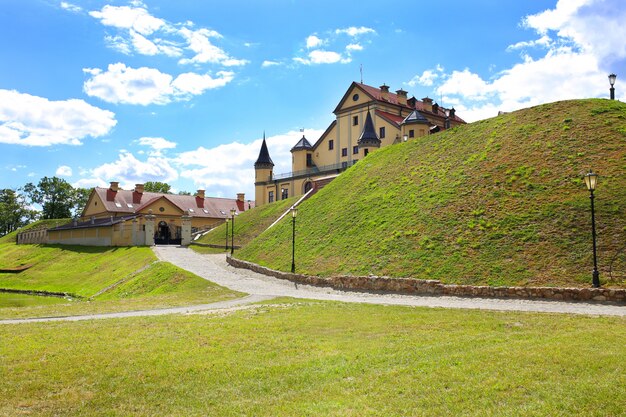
(260, 287)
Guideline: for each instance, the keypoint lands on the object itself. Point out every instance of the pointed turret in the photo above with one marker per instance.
(368, 138)
(264, 160)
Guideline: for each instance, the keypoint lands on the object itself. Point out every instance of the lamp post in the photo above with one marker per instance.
(612, 78)
(447, 122)
(227, 221)
(591, 179)
(232, 232)
(294, 213)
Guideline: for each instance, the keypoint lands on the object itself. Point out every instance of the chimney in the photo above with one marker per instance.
(384, 92)
(411, 102)
(435, 108)
(200, 194)
(138, 193)
(402, 95)
(452, 111)
(112, 190)
(200, 198)
(428, 104)
(241, 196)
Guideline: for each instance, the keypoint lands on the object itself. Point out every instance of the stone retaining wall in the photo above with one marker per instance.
(434, 287)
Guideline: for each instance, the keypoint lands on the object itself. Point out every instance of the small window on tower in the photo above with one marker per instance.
(411, 133)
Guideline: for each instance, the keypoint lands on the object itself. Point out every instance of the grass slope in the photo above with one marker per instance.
(496, 202)
(248, 224)
(39, 224)
(103, 280)
(318, 359)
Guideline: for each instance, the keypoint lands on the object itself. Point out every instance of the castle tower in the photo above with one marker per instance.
(368, 138)
(263, 174)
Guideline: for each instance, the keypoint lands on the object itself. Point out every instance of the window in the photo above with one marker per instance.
(205, 211)
(355, 120)
(284, 193)
(118, 205)
(129, 205)
(270, 197)
(366, 151)
(344, 165)
(344, 151)
(191, 210)
(381, 132)
(411, 133)
(331, 145)
(355, 150)
(309, 160)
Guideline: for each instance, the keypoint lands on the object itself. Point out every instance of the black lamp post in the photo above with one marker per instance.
(232, 232)
(447, 122)
(294, 213)
(591, 180)
(227, 221)
(612, 78)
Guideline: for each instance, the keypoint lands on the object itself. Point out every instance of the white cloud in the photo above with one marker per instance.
(71, 7)
(354, 47)
(355, 31)
(267, 63)
(427, 78)
(127, 169)
(313, 42)
(158, 145)
(36, 121)
(577, 59)
(144, 86)
(64, 171)
(323, 57)
(205, 51)
(124, 17)
(139, 31)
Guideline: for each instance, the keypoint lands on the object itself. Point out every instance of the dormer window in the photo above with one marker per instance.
(205, 211)
(118, 205)
(191, 210)
(129, 205)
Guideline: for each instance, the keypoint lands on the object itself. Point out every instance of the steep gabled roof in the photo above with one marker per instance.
(415, 118)
(391, 118)
(302, 144)
(264, 159)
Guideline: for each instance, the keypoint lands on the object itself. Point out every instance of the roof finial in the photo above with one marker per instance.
(361, 73)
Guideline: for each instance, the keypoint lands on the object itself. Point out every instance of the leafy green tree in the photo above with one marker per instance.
(184, 193)
(55, 195)
(14, 213)
(81, 196)
(157, 187)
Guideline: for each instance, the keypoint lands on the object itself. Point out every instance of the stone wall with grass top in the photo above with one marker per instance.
(434, 287)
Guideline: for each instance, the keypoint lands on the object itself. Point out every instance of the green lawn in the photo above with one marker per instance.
(318, 358)
(100, 280)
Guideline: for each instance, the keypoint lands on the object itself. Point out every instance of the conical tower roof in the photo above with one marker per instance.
(302, 144)
(368, 137)
(264, 160)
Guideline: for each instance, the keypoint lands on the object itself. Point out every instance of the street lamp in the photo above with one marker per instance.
(232, 232)
(591, 180)
(612, 78)
(227, 221)
(447, 122)
(294, 213)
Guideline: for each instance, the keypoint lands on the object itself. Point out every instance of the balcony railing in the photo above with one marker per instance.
(314, 170)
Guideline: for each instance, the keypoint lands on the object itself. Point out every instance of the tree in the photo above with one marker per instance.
(55, 195)
(81, 196)
(184, 193)
(14, 212)
(157, 187)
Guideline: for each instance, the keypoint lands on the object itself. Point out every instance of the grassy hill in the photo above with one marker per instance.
(496, 202)
(39, 224)
(248, 224)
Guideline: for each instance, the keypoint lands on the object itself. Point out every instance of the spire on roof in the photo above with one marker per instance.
(302, 144)
(368, 137)
(264, 159)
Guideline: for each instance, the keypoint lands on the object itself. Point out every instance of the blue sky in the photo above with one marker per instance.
(182, 91)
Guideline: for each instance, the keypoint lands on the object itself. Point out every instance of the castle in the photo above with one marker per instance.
(367, 118)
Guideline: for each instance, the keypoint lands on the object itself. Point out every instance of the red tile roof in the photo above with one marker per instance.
(128, 201)
(393, 118)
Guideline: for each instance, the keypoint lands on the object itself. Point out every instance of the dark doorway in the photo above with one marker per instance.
(163, 235)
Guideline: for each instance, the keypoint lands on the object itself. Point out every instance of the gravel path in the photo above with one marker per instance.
(215, 268)
(260, 287)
